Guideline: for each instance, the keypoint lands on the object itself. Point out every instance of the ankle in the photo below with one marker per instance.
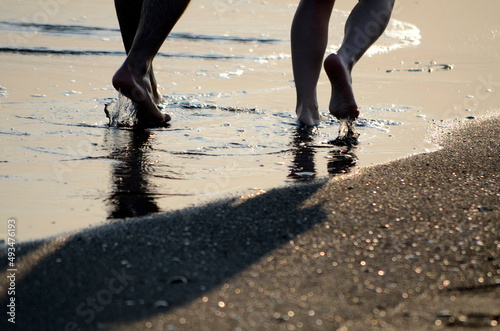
(136, 68)
(346, 61)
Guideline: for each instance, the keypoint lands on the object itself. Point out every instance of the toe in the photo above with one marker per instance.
(167, 117)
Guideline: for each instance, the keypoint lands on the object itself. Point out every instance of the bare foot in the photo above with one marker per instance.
(138, 89)
(308, 115)
(342, 103)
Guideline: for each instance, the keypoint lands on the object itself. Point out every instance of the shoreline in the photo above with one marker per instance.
(410, 244)
(51, 155)
(336, 249)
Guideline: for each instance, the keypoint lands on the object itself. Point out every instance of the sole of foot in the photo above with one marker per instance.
(342, 102)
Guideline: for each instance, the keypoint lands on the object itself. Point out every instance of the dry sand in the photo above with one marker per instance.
(41, 124)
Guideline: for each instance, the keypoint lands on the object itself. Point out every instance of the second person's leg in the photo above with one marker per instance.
(364, 26)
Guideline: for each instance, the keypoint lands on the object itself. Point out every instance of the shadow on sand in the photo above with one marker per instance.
(134, 268)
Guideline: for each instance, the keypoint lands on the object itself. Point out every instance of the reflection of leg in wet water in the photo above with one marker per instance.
(309, 36)
(131, 192)
(145, 25)
(303, 161)
(341, 161)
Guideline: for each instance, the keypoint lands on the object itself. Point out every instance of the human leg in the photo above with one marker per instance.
(364, 26)
(135, 78)
(129, 16)
(309, 37)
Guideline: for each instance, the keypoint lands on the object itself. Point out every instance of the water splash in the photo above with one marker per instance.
(121, 112)
(348, 136)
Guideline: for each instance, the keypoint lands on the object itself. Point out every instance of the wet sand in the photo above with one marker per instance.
(409, 245)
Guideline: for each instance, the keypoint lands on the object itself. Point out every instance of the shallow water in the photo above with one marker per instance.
(229, 90)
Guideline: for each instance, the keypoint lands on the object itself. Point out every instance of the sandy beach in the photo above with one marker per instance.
(410, 245)
(71, 169)
(249, 225)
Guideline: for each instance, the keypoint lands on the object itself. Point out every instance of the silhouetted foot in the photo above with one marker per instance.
(342, 103)
(138, 89)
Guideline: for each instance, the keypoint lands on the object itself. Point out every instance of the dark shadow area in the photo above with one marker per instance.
(131, 269)
(131, 193)
(135, 268)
